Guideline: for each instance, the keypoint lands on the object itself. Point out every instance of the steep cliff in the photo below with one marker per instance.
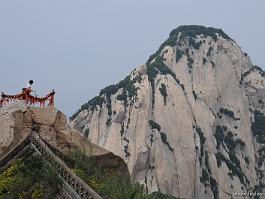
(190, 121)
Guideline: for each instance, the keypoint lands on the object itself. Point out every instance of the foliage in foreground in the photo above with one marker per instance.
(29, 177)
(111, 184)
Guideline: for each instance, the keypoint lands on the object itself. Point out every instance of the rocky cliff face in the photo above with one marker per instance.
(17, 122)
(190, 122)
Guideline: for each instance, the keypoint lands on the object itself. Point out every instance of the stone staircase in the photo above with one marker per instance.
(72, 186)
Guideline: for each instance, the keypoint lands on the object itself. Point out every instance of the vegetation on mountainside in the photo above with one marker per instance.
(219, 136)
(232, 144)
(204, 61)
(29, 177)
(206, 176)
(202, 142)
(194, 30)
(111, 183)
(122, 129)
(179, 54)
(190, 31)
(232, 165)
(163, 91)
(194, 95)
(261, 157)
(209, 51)
(164, 140)
(261, 72)
(194, 44)
(156, 67)
(258, 126)
(126, 151)
(129, 90)
(258, 129)
(155, 125)
(228, 113)
(122, 97)
(190, 61)
(90, 105)
(255, 67)
(107, 175)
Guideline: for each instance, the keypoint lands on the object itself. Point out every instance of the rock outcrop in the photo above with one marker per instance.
(190, 122)
(41, 140)
(17, 121)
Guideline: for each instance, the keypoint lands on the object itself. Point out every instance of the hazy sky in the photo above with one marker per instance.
(78, 47)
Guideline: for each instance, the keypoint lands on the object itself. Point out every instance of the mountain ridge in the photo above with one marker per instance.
(189, 120)
(186, 29)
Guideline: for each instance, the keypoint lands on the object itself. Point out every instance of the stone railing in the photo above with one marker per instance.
(13, 154)
(75, 186)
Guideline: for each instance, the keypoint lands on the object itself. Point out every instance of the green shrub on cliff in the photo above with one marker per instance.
(114, 184)
(163, 91)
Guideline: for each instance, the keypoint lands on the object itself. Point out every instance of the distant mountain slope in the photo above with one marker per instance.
(190, 122)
